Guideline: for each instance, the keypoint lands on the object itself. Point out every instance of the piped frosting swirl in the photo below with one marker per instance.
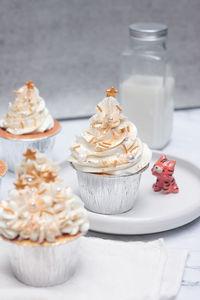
(28, 113)
(110, 145)
(40, 208)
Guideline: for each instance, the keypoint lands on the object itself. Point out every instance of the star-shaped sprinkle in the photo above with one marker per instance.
(30, 85)
(30, 154)
(49, 176)
(20, 184)
(111, 92)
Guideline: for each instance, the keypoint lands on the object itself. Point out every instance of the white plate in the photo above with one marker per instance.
(154, 211)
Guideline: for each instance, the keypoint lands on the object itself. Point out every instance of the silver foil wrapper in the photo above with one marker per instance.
(109, 194)
(13, 149)
(43, 266)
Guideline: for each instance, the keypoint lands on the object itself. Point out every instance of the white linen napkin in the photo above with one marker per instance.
(108, 270)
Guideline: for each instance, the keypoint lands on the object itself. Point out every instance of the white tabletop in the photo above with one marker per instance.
(185, 143)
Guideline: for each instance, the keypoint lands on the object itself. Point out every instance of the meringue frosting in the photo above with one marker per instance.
(28, 113)
(110, 145)
(40, 208)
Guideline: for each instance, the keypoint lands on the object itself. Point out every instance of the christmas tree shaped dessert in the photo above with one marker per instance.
(40, 208)
(27, 125)
(110, 145)
(28, 114)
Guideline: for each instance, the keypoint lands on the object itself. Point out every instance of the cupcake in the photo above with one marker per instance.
(42, 220)
(27, 124)
(109, 159)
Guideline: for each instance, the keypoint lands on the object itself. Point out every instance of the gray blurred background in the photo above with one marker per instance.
(71, 49)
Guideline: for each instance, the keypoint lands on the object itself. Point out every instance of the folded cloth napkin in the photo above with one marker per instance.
(108, 270)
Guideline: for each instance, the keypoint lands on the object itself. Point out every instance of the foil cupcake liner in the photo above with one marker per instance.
(43, 266)
(109, 194)
(13, 149)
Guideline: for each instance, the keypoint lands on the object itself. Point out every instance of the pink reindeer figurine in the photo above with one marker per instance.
(163, 169)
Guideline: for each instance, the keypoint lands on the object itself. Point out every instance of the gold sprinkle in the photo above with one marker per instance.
(93, 125)
(99, 108)
(124, 148)
(7, 209)
(15, 116)
(16, 92)
(103, 145)
(42, 192)
(115, 163)
(35, 122)
(75, 218)
(104, 162)
(62, 218)
(92, 139)
(102, 131)
(106, 143)
(22, 124)
(133, 148)
(117, 106)
(46, 211)
(90, 155)
(7, 116)
(76, 147)
(60, 196)
(128, 128)
(113, 134)
(122, 130)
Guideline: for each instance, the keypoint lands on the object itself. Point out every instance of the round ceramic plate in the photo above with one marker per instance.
(153, 211)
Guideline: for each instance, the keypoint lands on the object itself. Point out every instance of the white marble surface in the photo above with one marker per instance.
(185, 142)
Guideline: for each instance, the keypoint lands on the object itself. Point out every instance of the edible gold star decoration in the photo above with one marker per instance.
(30, 154)
(20, 184)
(30, 85)
(49, 176)
(111, 92)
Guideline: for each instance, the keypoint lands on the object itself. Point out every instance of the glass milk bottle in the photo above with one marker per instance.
(147, 83)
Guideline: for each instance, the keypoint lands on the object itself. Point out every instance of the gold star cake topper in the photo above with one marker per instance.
(49, 176)
(20, 184)
(111, 92)
(30, 85)
(30, 154)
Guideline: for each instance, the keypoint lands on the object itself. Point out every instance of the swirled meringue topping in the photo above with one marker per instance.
(110, 145)
(40, 208)
(28, 113)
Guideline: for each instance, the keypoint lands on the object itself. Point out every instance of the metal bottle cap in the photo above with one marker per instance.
(148, 31)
